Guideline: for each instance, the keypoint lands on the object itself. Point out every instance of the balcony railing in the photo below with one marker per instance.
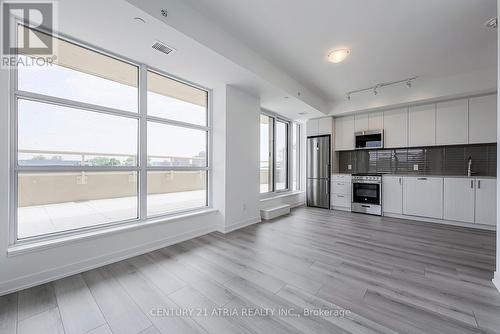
(76, 158)
(42, 188)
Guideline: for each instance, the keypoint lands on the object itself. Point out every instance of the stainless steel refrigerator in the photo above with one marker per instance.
(318, 171)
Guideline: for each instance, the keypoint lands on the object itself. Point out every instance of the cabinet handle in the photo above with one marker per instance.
(341, 196)
(422, 179)
(478, 184)
(472, 184)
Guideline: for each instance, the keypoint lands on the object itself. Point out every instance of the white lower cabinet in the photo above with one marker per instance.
(486, 201)
(392, 194)
(423, 196)
(340, 193)
(341, 201)
(450, 199)
(459, 199)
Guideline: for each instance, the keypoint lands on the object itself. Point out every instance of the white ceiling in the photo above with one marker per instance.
(114, 29)
(390, 39)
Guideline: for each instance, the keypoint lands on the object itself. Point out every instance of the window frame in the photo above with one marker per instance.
(297, 158)
(278, 118)
(141, 168)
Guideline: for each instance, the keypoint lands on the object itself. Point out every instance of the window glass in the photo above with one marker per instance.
(51, 135)
(78, 161)
(281, 153)
(55, 202)
(171, 146)
(82, 75)
(265, 153)
(174, 100)
(170, 191)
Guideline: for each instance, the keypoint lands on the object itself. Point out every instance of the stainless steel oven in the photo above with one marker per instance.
(367, 194)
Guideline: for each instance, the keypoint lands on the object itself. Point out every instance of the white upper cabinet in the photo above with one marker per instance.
(486, 201)
(320, 126)
(483, 119)
(325, 126)
(422, 125)
(344, 133)
(376, 121)
(459, 199)
(396, 128)
(312, 127)
(452, 122)
(360, 122)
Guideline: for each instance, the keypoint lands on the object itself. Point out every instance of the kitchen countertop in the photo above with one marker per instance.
(426, 175)
(443, 176)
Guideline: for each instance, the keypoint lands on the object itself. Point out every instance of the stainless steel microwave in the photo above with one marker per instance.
(365, 140)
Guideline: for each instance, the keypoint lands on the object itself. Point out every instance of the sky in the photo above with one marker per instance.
(49, 127)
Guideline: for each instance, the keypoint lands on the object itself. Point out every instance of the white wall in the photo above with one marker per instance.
(496, 279)
(242, 159)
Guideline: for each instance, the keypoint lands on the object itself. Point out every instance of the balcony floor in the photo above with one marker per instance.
(50, 218)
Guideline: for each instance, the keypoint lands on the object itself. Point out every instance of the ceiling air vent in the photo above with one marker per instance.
(162, 47)
(492, 23)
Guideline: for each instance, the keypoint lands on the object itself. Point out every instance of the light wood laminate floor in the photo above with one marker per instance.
(365, 274)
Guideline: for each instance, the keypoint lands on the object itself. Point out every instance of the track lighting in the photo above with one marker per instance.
(408, 83)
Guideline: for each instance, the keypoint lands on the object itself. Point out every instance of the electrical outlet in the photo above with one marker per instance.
(349, 167)
(415, 167)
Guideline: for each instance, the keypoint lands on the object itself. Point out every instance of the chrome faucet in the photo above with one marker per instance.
(469, 166)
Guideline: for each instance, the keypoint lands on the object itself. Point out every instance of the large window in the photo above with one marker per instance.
(279, 154)
(90, 151)
(177, 165)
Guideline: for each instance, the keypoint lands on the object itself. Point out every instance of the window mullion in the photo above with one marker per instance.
(143, 154)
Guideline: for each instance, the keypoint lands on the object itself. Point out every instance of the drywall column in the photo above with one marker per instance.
(242, 160)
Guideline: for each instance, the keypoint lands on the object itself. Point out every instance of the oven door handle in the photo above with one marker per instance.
(366, 206)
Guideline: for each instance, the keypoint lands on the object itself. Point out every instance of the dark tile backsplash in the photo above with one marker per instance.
(440, 160)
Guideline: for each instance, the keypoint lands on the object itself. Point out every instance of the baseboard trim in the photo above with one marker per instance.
(243, 223)
(297, 204)
(340, 208)
(50, 275)
(496, 280)
(440, 221)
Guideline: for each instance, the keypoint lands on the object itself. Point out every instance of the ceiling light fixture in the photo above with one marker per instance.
(339, 55)
(375, 89)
